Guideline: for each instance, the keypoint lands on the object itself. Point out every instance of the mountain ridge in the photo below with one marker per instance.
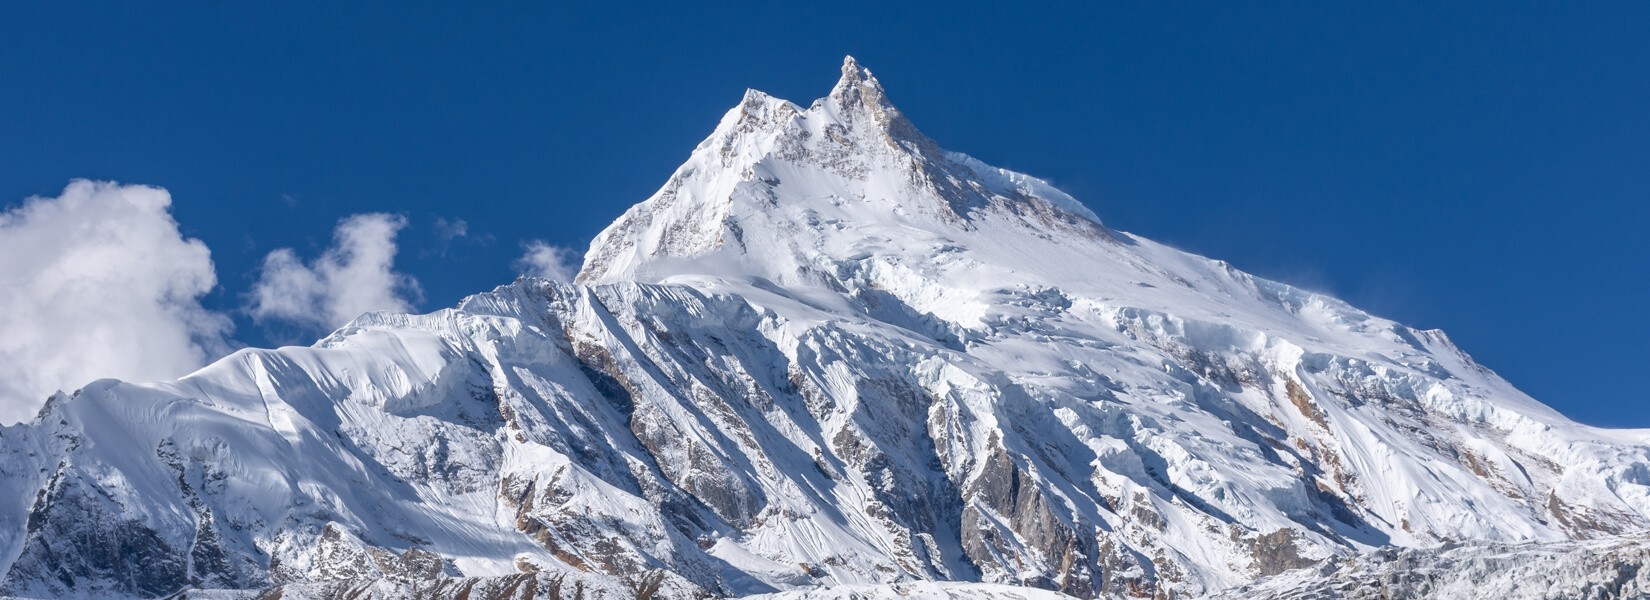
(826, 352)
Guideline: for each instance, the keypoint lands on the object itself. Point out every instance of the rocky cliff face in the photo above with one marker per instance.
(825, 353)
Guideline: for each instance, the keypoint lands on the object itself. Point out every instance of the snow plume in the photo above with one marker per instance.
(98, 282)
(555, 263)
(356, 275)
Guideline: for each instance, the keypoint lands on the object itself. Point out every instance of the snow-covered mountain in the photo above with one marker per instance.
(826, 353)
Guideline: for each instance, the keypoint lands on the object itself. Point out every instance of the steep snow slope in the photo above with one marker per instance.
(1125, 375)
(826, 352)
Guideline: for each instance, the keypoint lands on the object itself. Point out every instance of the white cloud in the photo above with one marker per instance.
(354, 276)
(449, 230)
(98, 282)
(555, 263)
(452, 234)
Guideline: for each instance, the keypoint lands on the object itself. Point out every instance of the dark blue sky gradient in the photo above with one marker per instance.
(1478, 168)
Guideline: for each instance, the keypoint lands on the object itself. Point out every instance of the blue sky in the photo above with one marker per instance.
(1476, 168)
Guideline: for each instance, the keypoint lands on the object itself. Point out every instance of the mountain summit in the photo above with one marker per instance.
(825, 357)
(777, 191)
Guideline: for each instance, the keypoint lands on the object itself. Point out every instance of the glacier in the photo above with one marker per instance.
(827, 359)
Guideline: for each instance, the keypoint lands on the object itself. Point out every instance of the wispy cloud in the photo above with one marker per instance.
(542, 259)
(448, 230)
(452, 236)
